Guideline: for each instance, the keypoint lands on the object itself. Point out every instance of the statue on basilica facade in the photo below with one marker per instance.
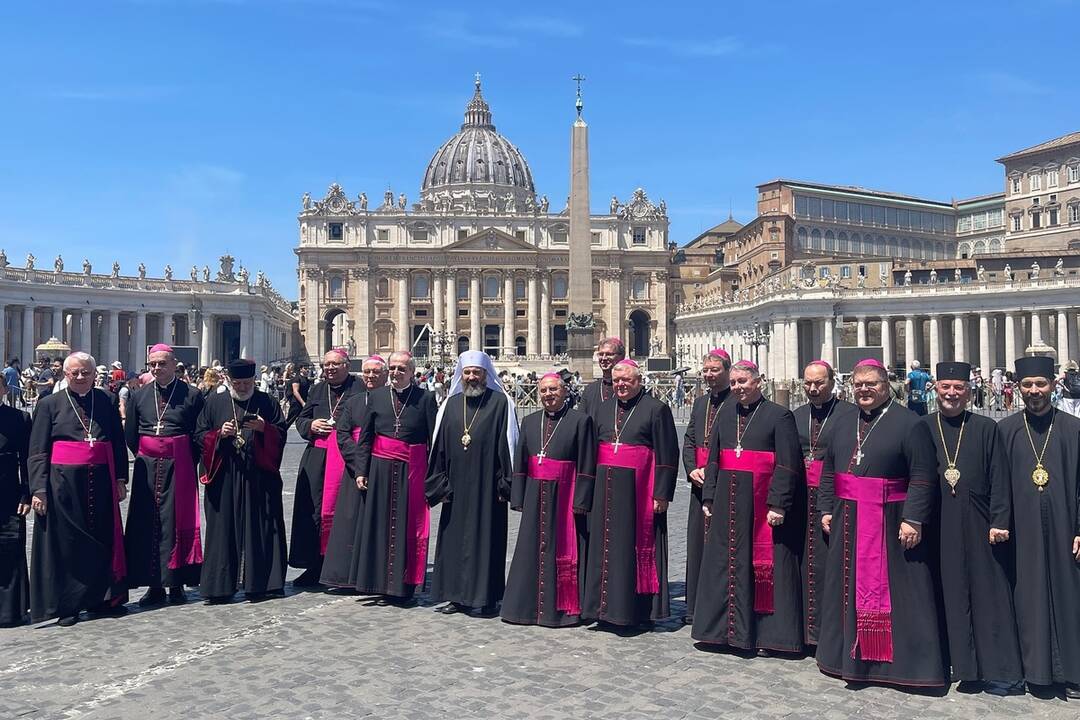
(58, 264)
(530, 204)
(388, 198)
(363, 201)
(883, 275)
(242, 276)
(1035, 269)
(661, 209)
(544, 204)
(907, 278)
(116, 269)
(1059, 268)
(86, 267)
(957, 275)
(194, 273)
(933, 276)
(511, 206)
(168, 273)
(1008, 273)
(861, 282)
(614, 205)
(305, 201)
(3, 259)
(30, 260)
(142, 271)
(260, 279)
(206, 273)
(402, 201)
(980, 273)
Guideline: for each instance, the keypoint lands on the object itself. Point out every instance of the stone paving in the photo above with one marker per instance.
(316, 655)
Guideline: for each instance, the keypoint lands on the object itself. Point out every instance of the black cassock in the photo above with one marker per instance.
(14, 489)
(474, 485)
(312, 518)
(695, 455)
(371, 552)
(976, 577)
(741, 601)
(245, 521)
(900, 616)
(594, 395)
(543, 565)
(161, 538)
(1047, 576)
(617, 551)
(816, 428)
(77, 556)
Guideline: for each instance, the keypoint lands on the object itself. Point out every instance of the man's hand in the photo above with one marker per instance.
(659, 506)
(40, 505)
(228, 429)
(707, 509)
(1076, 548)
(258, 424)
(910, 535)
(775, 517)
(826, 523)
(321, 427)
(361, 482)
(121, 491)
(697, 476)
(23, 509)
(998, 536)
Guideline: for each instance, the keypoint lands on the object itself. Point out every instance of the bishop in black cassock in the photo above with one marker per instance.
(879, 615)
(162, 538)
(626, 576)
(470, 475)
(14, 505)
(974, 517)
(385, 442)
(817, 421)
(714, 371)
(1043, 445)
(321, 467)
(242, 435)
(749, 592)
(610, 351)
(553, 486)
(78, 475)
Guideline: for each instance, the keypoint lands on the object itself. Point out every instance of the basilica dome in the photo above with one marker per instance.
(478, 158)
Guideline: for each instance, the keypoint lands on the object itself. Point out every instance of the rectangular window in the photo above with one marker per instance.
(815, 207)
(827, 209)
(964, 224)
(1016, 223)
(596, 238)
(927, 222)
(994, 218)
(463, 312)
(420, 312)
(1074, 213)
(519, 313)
(980, 221)
(902, 219)
(420, 236)
(845, 272)
(1036, 220)
(1053, 219)
(1074, 173)
(823, 272)
(939, 223)
(800, 205)
(890, 217)
(337, 232)
(1034, 182)
(841, 211)
(1016, 186)
(520, 235)
(383, 235)
(559, 237)
(639, 236)
(879, 214)
(462, 234)
(1052, 178)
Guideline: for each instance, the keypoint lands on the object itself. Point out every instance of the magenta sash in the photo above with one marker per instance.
(639, 459)
(760, 464)
(187, 546)
(69, 452)
(873, 602)
(564, 474)
(333, 469)
(813, 473)
(417, 515)
(701, 456)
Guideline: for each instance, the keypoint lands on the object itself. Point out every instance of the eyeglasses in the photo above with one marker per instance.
(158, 363)
(867, 385)
(398, 369)
(333, 364)
(81, 373)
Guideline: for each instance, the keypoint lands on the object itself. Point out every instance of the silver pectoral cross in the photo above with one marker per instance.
(859, 457)
(540, 457)
(617, 443)
(738, 450)
(397, 427)
(158, 427)
(90, 439)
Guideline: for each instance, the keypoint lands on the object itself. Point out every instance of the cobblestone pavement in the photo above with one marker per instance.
(315, 655)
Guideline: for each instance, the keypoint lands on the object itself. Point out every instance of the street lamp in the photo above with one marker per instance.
(755, 336)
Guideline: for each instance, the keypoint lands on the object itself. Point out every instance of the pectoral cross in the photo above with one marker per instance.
(397, 427)
(859, 457)
(738, 451)
(90, 439)
(617, 443)
(540, 457)
(158, 427)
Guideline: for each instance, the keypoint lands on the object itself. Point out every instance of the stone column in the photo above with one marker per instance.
(312, 335)
(363, 313)
(1063, 347)
(508, 347)
(986, 358)
(545, 313)
(451, 309)
(617, 321)
(660, 279)
(960, 338)
(58, 323)
(27, 353)
(935, 343)
(404, 336)
(259, 351)
(206, 352)
(909, 341)
(777, 351)
(887, 351)
(791, 350)
(4, 357)
(476, 337)
(111, 349)
(438, 300)
(828, 340)
(1036, 327)
(532, 346)
(1074, 345)
(1010, 339)
(138, 346)
(860, 331)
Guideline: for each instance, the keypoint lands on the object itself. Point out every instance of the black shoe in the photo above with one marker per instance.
(106, 609)
(451, 609)
(687, 619)
(177, 596)
(218, 599)
(970, 686)
(488, 611)
(68, 621)
(153, 596)
(308, 578)
(1072, 691)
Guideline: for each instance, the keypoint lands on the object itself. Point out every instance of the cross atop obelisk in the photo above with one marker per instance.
(579, 322)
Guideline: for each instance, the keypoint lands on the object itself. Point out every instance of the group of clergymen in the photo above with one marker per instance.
(895, 547)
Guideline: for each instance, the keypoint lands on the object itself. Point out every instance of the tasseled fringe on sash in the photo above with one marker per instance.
(763, 589)
(187, 550)
(873, 636)
(566, 586)
(647, 582)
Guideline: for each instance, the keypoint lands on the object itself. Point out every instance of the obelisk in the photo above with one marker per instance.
(579, 323)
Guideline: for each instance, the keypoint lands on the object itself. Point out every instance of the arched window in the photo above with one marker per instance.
(640, 289)
(382, 288)
(519, 344)
(337, 287)
(801, 242)
(842, 242)
(596, 288)
(894, 247)
(995, 245)
(905, 247)
(879, 245)
(519, 289)
(917, 249)
(558, 286)
(980, 247)
(815, 239)
(463, 288)
(421, 287)
(830, 241)
(939, 249)
(491, 287)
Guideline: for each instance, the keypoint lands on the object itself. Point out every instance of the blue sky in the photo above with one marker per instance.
(170, 131)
